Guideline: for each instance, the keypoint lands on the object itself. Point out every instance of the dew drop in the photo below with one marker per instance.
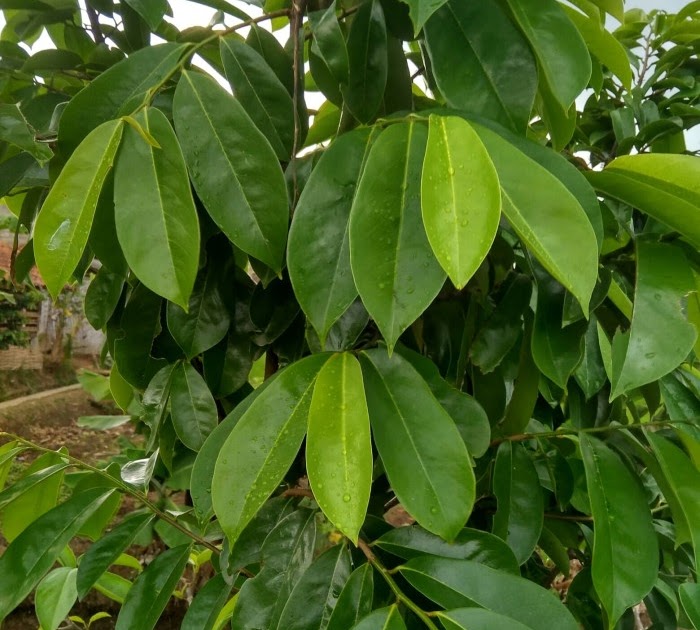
(346, 498)
(433, 510)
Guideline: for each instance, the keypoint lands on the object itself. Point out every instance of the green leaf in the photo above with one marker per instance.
(55, 596)
(421, 10)
(497, 82)
(204, 610)
(323, 283)
(625, 551)
(478, 619)
(117, 91)
(540, 208)
(561, 52)
(36, 549)
(261, 93)
(339, 446)
(101, 555)
(150, 10)
(217, 137)
(311, 603)
(663, 186)
(469, 544)
(660, 337)
(15, 130)
(63, 225)
(395, 271)
(262, 446)
(520, 513)
(590, 373)
(460, 197)
(382, 619)
(151, 591)
(367, 62)
(102, 297)
(329, 42)
(192, 407)
(423, 454)
(458, 583)
(690, 599)
(355, 600)
(155, 215)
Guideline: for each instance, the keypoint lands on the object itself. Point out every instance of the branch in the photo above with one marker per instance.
(296, 26)
(94, 23)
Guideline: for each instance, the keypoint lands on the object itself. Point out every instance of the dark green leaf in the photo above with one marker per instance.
(690, 598)
(355, 600)
(382, 619)
(102, 297)
(204, 610)
(152, 11)
(192, 407)
(590, 374)
(478, 619)
(16, 130)
(330, 42)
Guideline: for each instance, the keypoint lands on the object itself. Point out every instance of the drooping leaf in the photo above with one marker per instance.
(155, 215)
(395, 271)
(323, 283)
(590, 373)
(330, 42)
(660, 336)
(496, 82)
(152, 590)
(460, 197)
(261, 93)
(262, 445)
(338, 444)
(355, 600)
(192, 407)
(152, 11)
(205, 608)
(382, 619)
(217, 136)
(55, 596)
(63, 225)
(625, 550)
(423, 454)
(102, 297)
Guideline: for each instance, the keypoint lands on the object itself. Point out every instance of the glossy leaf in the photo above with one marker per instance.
(323, 283)
(625, 551)
(215, 132)
(192, 407)
(382, 619)
(338, 444)
(55, 597)
(660, 336)
(102, 297)
(367, 62)
(561, 53)
(355, 600)
(204, 610)
(478, 619)
(152, 590)
(590, 373)
(458, 583)
(261, 94)
(421, 10)
(63, 225)
(423, 454)
(330, 42)
(497, 82)
(36, 549)
(155, 215)
(460, 197)
(395, 271)
(519, 517)
(540, 209)
(262, 446)
(689, 594)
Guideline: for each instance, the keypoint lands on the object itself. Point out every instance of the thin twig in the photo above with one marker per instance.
(296, 25)
(94, 24)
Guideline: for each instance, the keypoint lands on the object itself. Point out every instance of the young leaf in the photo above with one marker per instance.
(394, 268)
(152, 590)
(625, 550)
(423, 454)
(63, 225)
(355, 600)
(561, 52)
(460, 197)
(338, 445)
(520, 513)
(382, 619)
(155, 215)
(323, 283)
(232, 165)
(207, 604)
(192, 407)
(660, 336)
(497, 82)
(55, 596)
(262, 446)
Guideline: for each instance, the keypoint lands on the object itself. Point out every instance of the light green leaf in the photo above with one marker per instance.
(664, 186)
(496, 82)
(338, 445)
(262, 445)
(382, 619)
(156, 219)
(540, 209)
(232, 165)
(561, 52)
(64, 222)
(460, 197)
(424, 456)
(15, 130)
(660, 337)
(394, 268)
(625, 550)
(192, 407)
(520, 514)
(55, 597)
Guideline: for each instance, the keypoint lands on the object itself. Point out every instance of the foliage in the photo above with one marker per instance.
(469, 277)
(15, 301)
